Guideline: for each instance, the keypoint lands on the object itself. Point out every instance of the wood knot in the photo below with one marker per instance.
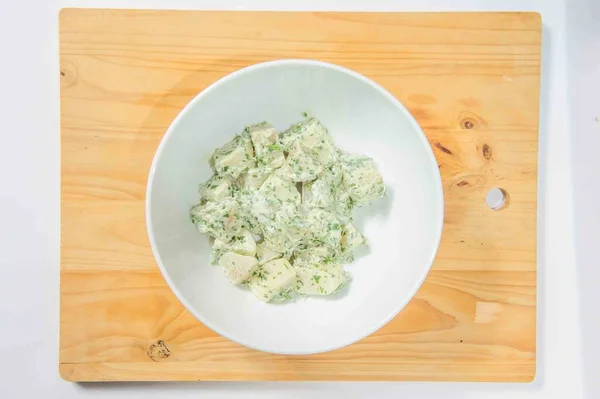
(486, 150)
(469, 181)
(442, 148)
(468, 120)
(158, 351)
(68, 74)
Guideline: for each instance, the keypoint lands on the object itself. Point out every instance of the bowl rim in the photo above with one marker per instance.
(245, 70)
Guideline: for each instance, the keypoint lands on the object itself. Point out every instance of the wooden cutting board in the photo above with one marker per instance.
(470, 79)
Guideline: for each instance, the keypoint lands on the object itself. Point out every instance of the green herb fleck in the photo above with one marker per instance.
(285, 295)
(334, 227)
(316, 278)
(261, 275)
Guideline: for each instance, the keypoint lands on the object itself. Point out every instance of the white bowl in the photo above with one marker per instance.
(403, 230)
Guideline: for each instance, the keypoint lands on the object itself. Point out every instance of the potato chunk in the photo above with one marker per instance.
(320, 278)
(266, 254)
(361, 179)
(234, 157)
(278, 191)
(238, 268)
(217, 219)
(216, 188)
(273, 281)
(242, 243)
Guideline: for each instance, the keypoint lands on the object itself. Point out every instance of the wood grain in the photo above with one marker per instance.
(470, 79)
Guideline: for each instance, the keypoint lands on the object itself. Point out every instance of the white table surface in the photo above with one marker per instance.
(568, 233)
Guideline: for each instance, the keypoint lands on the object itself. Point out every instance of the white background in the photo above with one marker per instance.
(568, 229)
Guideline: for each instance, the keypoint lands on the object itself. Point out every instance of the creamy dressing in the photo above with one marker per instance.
(279, 207)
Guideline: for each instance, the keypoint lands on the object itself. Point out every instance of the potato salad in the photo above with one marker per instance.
(279, 208)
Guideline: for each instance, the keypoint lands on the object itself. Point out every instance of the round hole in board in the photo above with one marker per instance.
(497, 199)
